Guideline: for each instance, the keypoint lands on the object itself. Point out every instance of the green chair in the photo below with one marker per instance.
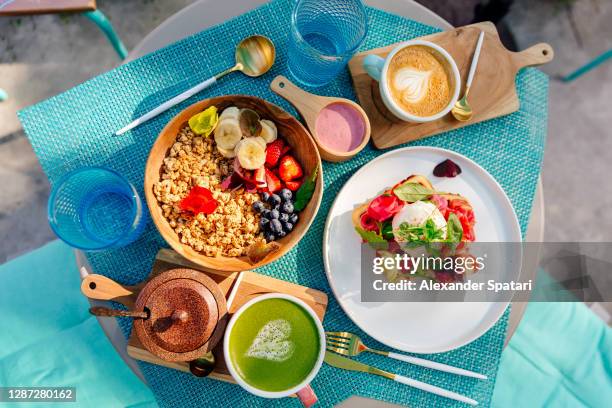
(588, 66)
(560, 356)
(86, 7)
(49, 339)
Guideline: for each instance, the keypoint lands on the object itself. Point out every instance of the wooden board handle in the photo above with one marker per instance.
(102, 288)
(306, 103)
(535, 55)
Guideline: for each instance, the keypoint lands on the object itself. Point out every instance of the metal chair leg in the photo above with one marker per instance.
(587, 67)
(105, 25)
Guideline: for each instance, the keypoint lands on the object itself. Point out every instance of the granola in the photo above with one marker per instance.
(192, 161)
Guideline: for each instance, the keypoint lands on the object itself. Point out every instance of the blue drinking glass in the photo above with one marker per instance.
(324, 36)
(95, 208)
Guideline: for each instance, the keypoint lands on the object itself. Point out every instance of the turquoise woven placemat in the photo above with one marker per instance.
(75, 129)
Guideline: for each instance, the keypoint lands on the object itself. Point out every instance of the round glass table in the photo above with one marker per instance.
(205, 13)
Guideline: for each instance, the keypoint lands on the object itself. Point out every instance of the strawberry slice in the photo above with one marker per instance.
(274, 152)
(289, 169)
(285, 150)
(274, 184)
(294, 185)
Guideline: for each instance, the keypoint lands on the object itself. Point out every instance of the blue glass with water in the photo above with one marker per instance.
(96, 208)
(324, 36)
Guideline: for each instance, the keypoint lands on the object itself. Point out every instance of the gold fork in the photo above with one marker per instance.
(350, 344)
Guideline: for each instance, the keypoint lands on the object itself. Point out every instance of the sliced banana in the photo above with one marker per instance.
(251, 154)
(228, 133)
(261, 141)
(226, 153)
(268, 130)
(230, 113)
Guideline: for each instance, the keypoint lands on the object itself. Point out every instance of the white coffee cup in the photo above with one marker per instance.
(378, 67)
(303, 390)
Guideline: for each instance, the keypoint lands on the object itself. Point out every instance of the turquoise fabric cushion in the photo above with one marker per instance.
(48, 338)
(560, 356)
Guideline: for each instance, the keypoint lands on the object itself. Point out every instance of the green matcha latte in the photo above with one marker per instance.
(274, 345)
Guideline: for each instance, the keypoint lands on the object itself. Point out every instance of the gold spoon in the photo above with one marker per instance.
(254, 57)
(462, 111)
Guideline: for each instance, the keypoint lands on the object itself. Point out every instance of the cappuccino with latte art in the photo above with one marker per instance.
(419, 81)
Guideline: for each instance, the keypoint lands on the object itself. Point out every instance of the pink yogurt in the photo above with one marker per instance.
(340, 127)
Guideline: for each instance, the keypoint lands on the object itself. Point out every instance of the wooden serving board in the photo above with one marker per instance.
(493, 92)
(251, 285)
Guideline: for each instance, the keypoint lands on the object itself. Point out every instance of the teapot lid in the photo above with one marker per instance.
(185, 308)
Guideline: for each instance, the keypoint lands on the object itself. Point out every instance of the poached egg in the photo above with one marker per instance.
(416, 214)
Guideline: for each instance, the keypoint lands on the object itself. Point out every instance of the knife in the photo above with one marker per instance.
(345, 363)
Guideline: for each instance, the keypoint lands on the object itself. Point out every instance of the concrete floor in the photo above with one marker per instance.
(43, 55)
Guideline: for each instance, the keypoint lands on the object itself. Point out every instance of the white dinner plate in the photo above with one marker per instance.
(417, 327)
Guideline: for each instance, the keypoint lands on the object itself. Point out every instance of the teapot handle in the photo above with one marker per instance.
(102, 288)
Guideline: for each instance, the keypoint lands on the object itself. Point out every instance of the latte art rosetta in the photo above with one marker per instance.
(419, 81)
(412, 84)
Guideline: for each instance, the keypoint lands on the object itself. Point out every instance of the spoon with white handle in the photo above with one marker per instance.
(254, 57)
(462, 111)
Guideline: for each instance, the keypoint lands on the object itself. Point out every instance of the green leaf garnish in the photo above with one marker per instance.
(427, 232)
(454, 229)
(412, 192)
(372, 238)
(305, 192)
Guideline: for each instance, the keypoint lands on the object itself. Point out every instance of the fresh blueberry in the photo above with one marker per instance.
(274, 214)
(275, 226)
(282, 234)
(293, 218)
(284, 217)
(259, 206)
(265, 196)
(274, 200)
(286, 194)
(287, 208)
(265, 213)
(287, 226)
(269, 236)
(263, 223)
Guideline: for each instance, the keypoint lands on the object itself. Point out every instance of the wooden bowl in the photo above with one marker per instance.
(303, 148)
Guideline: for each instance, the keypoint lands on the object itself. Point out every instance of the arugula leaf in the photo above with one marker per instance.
(305, 192)
(372, 238)
(432, 232)
(454, 229)
(411, 192)
(425, 233)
